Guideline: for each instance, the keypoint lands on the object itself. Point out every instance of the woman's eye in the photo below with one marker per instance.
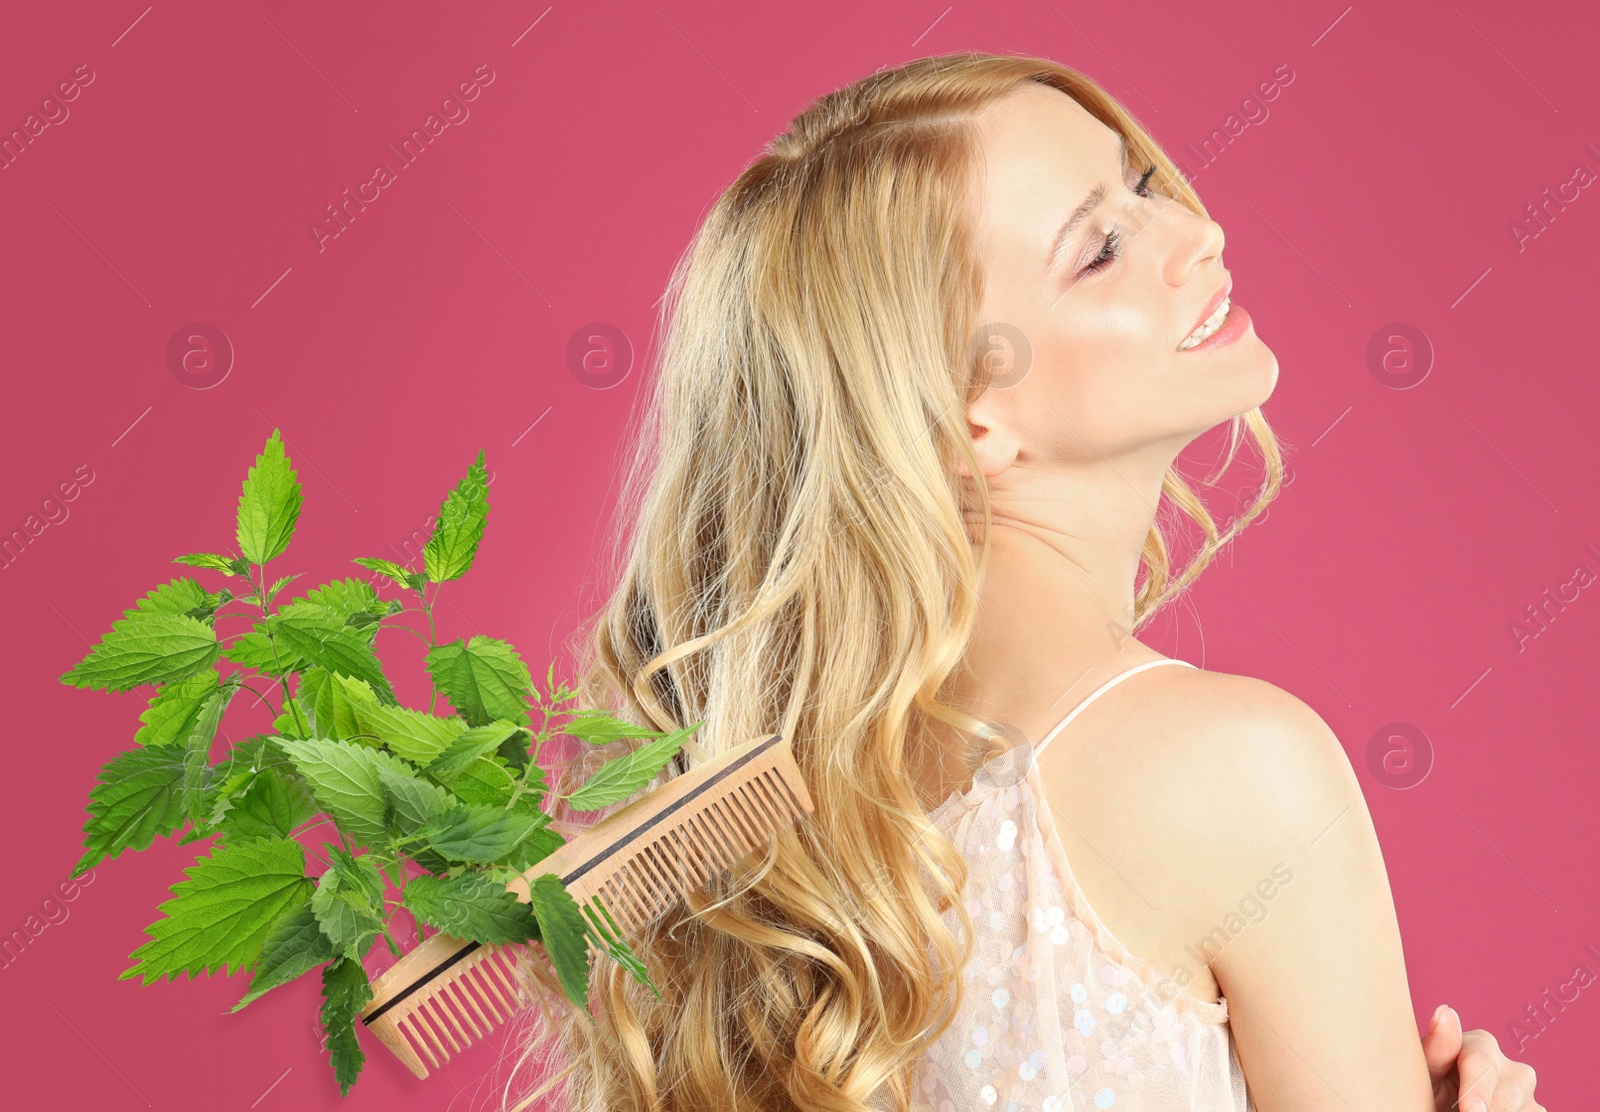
(1112, 247)
(1108, 253)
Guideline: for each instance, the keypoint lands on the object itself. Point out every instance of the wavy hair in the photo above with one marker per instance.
(801, 560)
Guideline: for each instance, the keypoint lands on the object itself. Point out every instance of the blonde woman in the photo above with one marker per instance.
(852, 524)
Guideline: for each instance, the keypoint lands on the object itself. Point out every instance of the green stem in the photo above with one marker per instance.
(283, 681)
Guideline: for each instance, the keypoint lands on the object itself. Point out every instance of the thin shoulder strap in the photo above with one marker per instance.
(1099, 691)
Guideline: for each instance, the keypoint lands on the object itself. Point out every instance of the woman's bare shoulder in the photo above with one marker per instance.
(1225, 773)
(1246, 771)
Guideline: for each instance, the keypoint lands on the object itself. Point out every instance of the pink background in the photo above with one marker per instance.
(1381, 186)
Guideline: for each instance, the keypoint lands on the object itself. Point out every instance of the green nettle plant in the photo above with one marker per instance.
(444, 809)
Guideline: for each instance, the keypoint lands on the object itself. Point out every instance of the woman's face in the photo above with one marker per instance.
(1107, 376)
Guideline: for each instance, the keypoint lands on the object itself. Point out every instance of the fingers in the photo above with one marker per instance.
(1441, 1044)
(1514, 1091)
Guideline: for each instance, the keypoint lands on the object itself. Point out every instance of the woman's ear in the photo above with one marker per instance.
(993, 441)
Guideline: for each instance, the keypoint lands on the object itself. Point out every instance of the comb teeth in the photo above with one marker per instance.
(446, 992)
(452, 1010)
(706, 840)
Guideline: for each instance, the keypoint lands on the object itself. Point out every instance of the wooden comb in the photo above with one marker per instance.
(639, 861)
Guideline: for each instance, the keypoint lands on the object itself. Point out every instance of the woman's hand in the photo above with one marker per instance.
(1469, 1072)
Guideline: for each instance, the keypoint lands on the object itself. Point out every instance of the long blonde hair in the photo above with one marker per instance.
(800, 562)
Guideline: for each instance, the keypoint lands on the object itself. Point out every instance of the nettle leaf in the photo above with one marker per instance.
(229, 564)
(272, 591)
(599, 728)
(345, 991)
(346, 779)
(288, 723)
(348, 903)
(484, 783)
(450, 551)
(269, 504)
(197, 749)
(483, 678)
(172, 712)
(606, 937)
(469, 745)
(256, 651)
(480, 835)
(152, 647)
(177, 597)
(321, 636)
(140, 795)
(330, 701)
(354, 599)
(473, 907)
(399, 575)
(535, 848)
(272, 806)
(221, 914)
(564, 933)
(207, 610)
(222, 792)
(411, 734)
(411, 802)
(294, 944)
(622, 776)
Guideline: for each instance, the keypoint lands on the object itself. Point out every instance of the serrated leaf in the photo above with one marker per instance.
(459, 530)
(597, 727)
(535, 848)
(479, 835)
(607, 939)
(411, 802)
(483, 678)
(220, 915)
(320, 636)
(255, 650)
(228, 564)
(564, 935)
(412, 734)
(399, 575)
(345, 779)
(348, 902)
(273, 806)
(621, 776)
(294, 944)
(177, 596)
(288, 723)
(140, 795)
(345, 991)
(473, 907)
(331, 701)
(172, 712)
(272, 591)
(469, 745)
(197, 749)
(269, 504)
(350, 597)
(223, 792)
(151, 647)
(484, 783)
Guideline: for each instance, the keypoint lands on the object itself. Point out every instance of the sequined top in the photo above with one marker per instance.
(1059, 1016)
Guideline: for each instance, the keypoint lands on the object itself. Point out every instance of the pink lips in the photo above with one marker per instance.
(1215, 303)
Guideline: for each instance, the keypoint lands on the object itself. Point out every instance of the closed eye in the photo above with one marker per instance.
(1111, 249)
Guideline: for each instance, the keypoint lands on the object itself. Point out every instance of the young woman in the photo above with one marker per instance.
(855, 525)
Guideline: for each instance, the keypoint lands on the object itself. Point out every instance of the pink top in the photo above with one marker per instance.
(1059, 1016)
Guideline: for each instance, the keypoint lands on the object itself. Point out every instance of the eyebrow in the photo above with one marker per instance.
(1079, 214)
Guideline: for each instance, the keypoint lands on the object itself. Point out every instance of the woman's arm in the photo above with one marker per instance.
(1317, 991)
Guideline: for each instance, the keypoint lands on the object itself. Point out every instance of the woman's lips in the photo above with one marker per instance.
(1235, 326)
